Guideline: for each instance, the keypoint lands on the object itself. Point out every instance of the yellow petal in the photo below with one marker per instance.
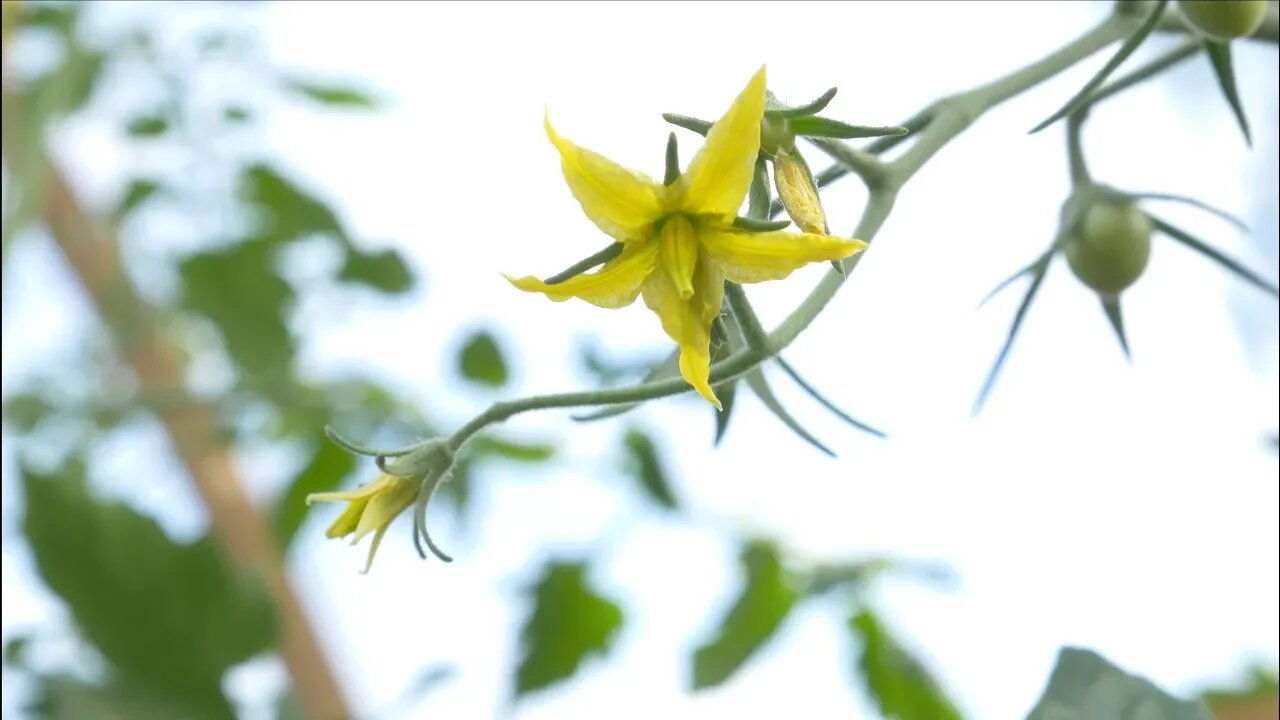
(384, 507)
(688, 322)
(719, 175)
(621, 202)
(753, 257)
(348, 520)
(613, 286)
(678, 253)
(373, 548)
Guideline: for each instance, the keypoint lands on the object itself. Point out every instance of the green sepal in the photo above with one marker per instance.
(702, 127)
(754, 225)
(1111, 306)
(1096, 81)
(775, 109)
(828, 128)
(1220, 58)
(1216, 256)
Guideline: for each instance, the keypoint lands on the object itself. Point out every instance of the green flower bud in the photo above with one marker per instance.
(1110, 247)
(1223, 20)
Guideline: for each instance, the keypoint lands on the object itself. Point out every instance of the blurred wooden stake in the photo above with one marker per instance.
(193, 429)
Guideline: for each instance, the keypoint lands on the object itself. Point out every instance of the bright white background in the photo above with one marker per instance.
(1131, 508)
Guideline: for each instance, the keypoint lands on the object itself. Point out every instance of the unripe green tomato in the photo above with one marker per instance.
(1223, 20)
(1111, 247)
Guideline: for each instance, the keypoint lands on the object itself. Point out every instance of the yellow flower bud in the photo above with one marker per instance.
(372, 508)
(798, 195)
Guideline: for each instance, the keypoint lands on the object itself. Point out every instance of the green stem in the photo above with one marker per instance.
(939, 124)
(752, 330)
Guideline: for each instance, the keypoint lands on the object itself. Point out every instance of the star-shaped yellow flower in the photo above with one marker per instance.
(373, 507)
(679, 241)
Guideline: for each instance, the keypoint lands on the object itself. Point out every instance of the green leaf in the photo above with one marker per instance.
(1220, 58)
(487, 445)
(138, 192)
(236, 115)
(1216, 256)
(26, 410)
(828, 128)
(287, 212)
(644, 464)
(756, 615)
(385, 271)
(147, 126)
(1084, 686)
(329, 466)
(333, 95)
(569, 621)
(775, 109)
(169, 618)
(62, 697)
(238, 289)
(900, 686)
(1259, 683)
(1126, 49)
(481, 360)
(15, 649)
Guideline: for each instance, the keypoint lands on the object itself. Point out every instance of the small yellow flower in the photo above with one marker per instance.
(679, 242)
(373, 507)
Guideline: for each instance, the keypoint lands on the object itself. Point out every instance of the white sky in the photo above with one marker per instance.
(1128, 508)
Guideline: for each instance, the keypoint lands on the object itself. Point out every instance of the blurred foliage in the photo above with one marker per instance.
(1085, 686)
(568, 623)
(161, 622)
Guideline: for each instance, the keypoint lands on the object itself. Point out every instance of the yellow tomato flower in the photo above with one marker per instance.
(679, 241)
(373, 507)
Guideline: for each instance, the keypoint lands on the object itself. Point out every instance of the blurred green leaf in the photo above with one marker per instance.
(1085, 686)
(26, 410)
(756, 615)
(488, 445)
(1220, 58)
(481, 360)
(15, 650)
(333, 95)
(900, 686)
(236, 114)
(169, 618)
(1258, 682)
(238, 289)
(385, 271)
(329, 466)
(62, 697)
(147, 126)
(569, 622)
(643, 464)
(138, 192)
(26, 115)
(287, 211)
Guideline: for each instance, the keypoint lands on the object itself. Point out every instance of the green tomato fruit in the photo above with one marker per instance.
(776, 134)
(1224, 20)
(1111, 246)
